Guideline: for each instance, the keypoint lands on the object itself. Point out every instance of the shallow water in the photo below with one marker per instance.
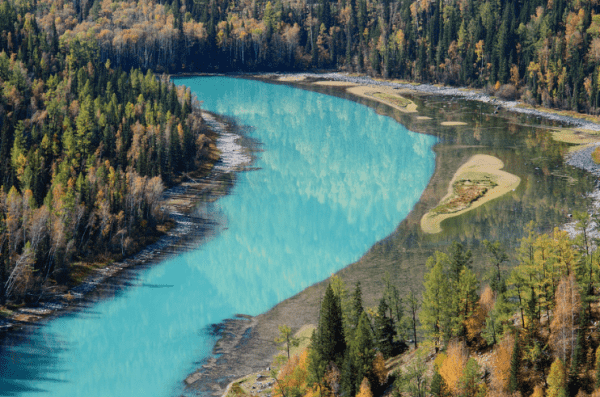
(334, 177)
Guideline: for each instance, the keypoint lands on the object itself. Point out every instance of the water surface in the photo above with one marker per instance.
(333, 178)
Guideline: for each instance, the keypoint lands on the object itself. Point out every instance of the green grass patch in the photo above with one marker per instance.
(395, 99)
(469, 188)
(5, 312)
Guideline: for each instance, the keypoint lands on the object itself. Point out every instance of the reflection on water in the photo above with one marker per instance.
(334, 178)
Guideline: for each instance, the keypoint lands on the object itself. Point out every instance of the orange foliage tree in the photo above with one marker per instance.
(292, 376)
(453, 366)
(365, 389)
(501, 364)
(564, 323)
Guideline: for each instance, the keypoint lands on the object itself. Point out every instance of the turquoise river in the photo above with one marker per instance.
(331, 179)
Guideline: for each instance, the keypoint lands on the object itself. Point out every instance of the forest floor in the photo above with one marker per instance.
(181, 230)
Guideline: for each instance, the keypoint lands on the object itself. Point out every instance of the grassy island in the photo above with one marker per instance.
(476, 182)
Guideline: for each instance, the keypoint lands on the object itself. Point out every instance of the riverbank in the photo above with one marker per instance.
(580, 121)
(182, 228)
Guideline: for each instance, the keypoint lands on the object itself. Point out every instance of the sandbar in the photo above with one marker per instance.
(479, 168)
(451, 123)
(335, 83)
(368, 92)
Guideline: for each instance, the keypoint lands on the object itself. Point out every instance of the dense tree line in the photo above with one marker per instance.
(349, 346)
(545, 51)
(85, 152)
(534, 322)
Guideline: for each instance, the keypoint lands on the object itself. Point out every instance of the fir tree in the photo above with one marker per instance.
(384, 330)
(328, 343)
(362, 350)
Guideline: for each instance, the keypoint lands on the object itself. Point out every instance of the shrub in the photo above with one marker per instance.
(596, 155)
(507, 91)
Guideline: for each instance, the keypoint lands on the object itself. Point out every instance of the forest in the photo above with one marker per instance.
(545, 52)
(86, 150)
(522, 330)
(90, 134)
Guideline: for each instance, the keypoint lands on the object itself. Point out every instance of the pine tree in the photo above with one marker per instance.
(348, 383)
(435, 310)
(362, 350)
(437, 384)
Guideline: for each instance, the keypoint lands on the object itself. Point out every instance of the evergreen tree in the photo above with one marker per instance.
(384, 330)
(362, 351)
(328, 344)
(436, 308)
(437, 384)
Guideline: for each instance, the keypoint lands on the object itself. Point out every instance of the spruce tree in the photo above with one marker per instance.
(362, 351)
(348, 382)
(356, 309)
(384, 330)
(328, 341)
(437, 299)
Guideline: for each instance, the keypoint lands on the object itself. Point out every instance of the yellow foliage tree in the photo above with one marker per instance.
(365, 389)
(453, 366)
(538, 391)
(501, 364)
(557, 380)
(293, 375)
(379, 368)
(476, 322)
(565, 321)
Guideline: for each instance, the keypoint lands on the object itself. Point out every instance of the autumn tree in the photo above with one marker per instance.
(557, 380)
(565, 320)
(453, 366)
(365, 389)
